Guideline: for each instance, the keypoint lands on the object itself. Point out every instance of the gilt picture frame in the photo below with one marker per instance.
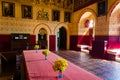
(8, 9)
(26, 11)
(67, 17)
(102, 7)
(56, 15)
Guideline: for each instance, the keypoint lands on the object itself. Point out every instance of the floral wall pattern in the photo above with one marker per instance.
(41, 12)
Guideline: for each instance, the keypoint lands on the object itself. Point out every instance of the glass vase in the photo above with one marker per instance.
(36, 50)
(45, 57)
(60, 75)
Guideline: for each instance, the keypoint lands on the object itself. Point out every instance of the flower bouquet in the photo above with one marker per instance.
(46, 52)
(36, 47)
(60, 65)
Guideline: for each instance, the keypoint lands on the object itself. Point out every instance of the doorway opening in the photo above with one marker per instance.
(42, 38)
(61, 39)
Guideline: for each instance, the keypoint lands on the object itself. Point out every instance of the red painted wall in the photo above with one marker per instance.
(52, 42)
(75, 40)
(32, 39)
(114, 42)
(5, 41)
(84, 40)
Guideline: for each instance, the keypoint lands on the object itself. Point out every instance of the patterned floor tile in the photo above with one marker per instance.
(108, 70)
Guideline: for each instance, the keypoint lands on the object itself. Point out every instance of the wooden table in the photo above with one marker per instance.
(39, 69)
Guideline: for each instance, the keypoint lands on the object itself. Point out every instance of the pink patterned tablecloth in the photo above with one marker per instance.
(39, 69)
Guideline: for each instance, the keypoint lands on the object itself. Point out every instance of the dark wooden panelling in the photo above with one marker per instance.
(5, 42)
(19, 41)
(98, 48)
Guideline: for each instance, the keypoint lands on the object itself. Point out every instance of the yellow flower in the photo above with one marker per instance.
(60, 64)
(46, 52)
(36, 46)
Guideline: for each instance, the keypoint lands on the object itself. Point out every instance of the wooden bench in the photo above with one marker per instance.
(85, 48)
(113, 54)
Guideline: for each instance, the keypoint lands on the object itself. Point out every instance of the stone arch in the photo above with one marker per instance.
(59, 26)
(87, 10)
(113, 19)
(93, 14)
(38, 27)
(41, 25)
(112, 8)
(87, 14)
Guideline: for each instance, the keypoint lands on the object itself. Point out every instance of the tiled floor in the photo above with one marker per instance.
(108, 70)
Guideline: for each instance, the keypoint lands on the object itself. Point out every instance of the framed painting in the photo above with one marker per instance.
(67, 16)
(56, 15)
(8, 9)
(26, 11)
(102, 7)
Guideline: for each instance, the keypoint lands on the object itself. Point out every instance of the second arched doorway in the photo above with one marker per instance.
(61, 38)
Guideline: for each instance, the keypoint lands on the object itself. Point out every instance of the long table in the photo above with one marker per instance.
(37, 68)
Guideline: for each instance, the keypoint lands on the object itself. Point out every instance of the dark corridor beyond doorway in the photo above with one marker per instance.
(62, 40)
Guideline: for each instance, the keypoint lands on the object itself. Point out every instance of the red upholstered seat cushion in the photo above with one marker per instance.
(118, 55)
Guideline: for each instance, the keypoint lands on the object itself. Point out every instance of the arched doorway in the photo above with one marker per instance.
(42, 38)
(61, 39)
(37, 30)
(87, 25)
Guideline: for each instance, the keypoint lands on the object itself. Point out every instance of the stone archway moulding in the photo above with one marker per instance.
(38, 27)
(93, 13)
(41, 25)
(112, 8)
(59, 26)
(87, 10)
(113, 18)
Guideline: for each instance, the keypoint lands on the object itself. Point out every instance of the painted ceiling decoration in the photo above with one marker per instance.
(78, 4)
(67, 4)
